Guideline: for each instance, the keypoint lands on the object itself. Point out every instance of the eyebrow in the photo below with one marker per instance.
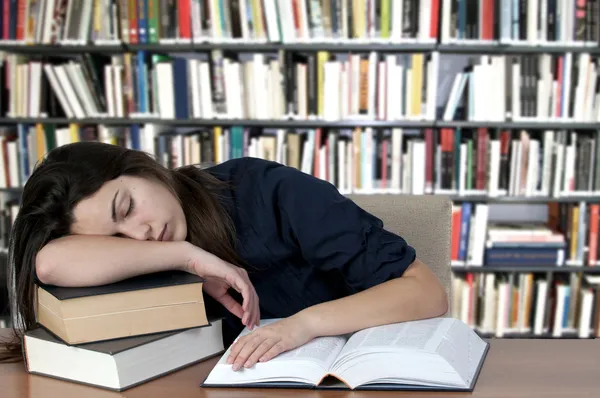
(114, 212)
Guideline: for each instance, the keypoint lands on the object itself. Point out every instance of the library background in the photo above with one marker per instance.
(494, 103)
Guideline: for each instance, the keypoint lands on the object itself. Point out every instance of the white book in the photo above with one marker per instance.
(542, 288)
(479, 228)
(585, 315)
(120, 364)
(431, 354)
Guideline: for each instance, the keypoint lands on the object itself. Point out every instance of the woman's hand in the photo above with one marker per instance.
(220, 276)
(268, 341)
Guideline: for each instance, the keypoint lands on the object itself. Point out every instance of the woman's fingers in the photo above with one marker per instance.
(244, 351)
(231, 305)
(238, 279)
(250, 304)
(261, 350)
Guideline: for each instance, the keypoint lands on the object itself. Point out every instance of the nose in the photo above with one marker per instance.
(138, 232)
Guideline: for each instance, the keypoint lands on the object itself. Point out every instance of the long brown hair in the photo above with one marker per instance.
(75, 171)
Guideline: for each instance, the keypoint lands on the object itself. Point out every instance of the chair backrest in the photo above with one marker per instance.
(424, 221)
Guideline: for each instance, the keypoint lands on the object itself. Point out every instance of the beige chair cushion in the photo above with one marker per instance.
(424, 221)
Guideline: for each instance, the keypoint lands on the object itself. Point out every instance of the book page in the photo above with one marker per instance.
(305, 364)
(323, 350)
(439, 351)
(462, 348)
(416, 335)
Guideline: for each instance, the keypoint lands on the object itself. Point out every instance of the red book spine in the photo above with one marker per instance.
(487, 26)
(6, 20)
(296, 13)
(482, 144)
(559, 80)
(21, 8)
(185, 19)
(133, 22)
(455, 239)
(435, 18)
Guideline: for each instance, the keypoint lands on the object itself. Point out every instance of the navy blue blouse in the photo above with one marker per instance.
(305, 242)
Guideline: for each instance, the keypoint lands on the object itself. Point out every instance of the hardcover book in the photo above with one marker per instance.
(121, 363)
(441, 354)
(144, 304)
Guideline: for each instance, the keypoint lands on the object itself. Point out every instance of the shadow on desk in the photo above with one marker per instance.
(513, 368)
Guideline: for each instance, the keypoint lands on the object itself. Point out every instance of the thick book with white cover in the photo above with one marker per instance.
(441, 354)
(120, 364)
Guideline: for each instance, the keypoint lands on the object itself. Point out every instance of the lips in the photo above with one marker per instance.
(162, 234)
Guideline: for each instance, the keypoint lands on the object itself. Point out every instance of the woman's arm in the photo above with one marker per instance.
(84, 260)
(418, 294)
(88, 260)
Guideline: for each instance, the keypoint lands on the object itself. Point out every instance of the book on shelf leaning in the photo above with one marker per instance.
(431, 354)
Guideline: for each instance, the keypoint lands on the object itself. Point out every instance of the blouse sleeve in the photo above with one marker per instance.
(335, 234)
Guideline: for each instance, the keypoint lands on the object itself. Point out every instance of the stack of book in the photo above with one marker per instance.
(524, 245)
(120, 335)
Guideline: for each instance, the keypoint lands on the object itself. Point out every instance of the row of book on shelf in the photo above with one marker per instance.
(323, 85)
(567, 237)
(460, 161)
(528, 304)
(188, 21)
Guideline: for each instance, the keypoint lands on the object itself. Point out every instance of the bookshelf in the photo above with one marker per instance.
(449, 96)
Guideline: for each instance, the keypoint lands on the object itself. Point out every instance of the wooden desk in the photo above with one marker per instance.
(514, 368)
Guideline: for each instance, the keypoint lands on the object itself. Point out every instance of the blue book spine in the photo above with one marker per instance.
(506, 19)
(462, 19)
(143, 21)
(524, 256)
(528, 245)
(565, 323)
(180, 85)
(464, 230)
(515, 19)
(22, 132)
(135, 137)
(141, 81)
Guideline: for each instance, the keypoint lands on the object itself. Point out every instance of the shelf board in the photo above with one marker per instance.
(524, 199)
(270, 123)
(523, 268)
(530, 335)
(501, 48)
(526, 125)
(198, 47)
(333, 46)
(233, 46)
(295, 123)
(59, 49)
(360, 46)
(11, 190)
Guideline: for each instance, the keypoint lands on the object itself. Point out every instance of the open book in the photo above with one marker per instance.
(431, 354)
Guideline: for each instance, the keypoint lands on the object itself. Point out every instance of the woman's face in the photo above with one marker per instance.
(132, 207)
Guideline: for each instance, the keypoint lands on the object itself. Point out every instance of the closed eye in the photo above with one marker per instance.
(131, 207)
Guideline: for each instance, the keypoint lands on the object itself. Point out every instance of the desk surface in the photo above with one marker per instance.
(514, 368)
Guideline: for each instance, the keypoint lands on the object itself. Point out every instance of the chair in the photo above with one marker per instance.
(424, 221)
